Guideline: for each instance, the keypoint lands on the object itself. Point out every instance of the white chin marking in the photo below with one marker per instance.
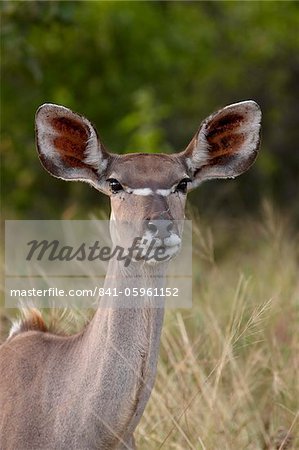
(169, 253)
(172, 240)
(171, 246)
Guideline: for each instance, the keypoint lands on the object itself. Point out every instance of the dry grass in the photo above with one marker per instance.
(228, 374)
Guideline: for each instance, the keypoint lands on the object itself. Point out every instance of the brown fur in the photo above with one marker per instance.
(32, 321)
(89, 390)
(224, 124)
(71, 140)
(71, 128)
(225, 145)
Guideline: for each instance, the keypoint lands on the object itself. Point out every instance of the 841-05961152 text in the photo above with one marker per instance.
(96, 291)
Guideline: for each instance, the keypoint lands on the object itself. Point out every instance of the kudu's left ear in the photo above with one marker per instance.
(68, 145)
(226, 143)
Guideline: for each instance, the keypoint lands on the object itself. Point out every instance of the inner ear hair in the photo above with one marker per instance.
(68, 145)
(226, 143)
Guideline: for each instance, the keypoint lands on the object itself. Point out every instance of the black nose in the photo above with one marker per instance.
(160, 228)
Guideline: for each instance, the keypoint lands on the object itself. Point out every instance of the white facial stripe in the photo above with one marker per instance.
(149, 191)
(144, 191)
(164, 192)
(112, 216)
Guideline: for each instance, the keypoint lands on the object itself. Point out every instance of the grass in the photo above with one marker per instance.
(228, 373)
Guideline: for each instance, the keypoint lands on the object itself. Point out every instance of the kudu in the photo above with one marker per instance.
(89, 390)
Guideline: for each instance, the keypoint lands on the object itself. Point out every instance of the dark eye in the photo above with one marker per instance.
(182, 186)
(115, 186)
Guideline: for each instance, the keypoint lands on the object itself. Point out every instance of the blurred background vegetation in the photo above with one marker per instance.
(147, 73)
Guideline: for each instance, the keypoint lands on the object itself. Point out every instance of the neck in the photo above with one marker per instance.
(122, 342)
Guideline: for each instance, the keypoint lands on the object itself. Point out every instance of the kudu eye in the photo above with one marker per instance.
(182, 186)
(115, 186)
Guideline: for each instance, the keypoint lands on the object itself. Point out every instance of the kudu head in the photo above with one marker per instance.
(149, 189)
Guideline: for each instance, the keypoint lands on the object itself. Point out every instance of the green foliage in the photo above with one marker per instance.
(143, 125)
(147, 73)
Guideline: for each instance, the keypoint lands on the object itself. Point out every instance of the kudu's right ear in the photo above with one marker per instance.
(68, 145)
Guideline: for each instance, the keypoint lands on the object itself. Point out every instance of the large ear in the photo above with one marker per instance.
(226, 143)
(68, 145)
